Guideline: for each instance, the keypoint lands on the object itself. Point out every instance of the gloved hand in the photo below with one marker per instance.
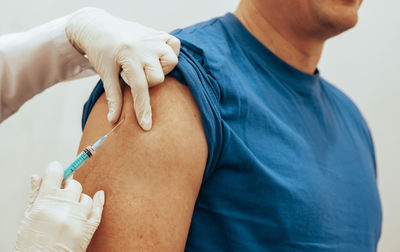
(58, 219)
(111, 44)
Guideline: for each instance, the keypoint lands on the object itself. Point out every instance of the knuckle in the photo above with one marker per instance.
(148, 62)
(148, 66)
(165, 50)
(124, 47)
(76, 233)
(63, 224)
(169, 60)
(56, 219)
(154, 75)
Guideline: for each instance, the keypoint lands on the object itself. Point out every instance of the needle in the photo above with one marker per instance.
(116, 126)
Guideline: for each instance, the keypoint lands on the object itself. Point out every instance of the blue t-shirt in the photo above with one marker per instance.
(291, 163)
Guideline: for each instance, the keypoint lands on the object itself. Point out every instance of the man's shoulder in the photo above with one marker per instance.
(205, 50)
(208, 39)
(199, 32)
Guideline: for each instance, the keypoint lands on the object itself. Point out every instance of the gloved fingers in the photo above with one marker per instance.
(113, 92)
(168, 61)
(73, 190)
(97, 209)
(175, 44)
(53, 177)
(154, 72)
(86, 203)
(36, 182)
(136, 79)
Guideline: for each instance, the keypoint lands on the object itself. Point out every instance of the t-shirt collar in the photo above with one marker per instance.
(260, 53)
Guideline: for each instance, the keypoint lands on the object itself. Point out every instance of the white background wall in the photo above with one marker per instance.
(364, 62)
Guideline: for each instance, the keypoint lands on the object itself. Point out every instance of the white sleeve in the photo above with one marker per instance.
(34, 60)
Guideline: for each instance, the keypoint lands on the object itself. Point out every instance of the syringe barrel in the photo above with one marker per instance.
(78, 162)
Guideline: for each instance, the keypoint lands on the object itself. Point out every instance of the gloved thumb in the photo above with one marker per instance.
(175, 44)
(97, 209)
(36, 182)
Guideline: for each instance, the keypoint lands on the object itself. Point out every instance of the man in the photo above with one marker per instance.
(281, 160)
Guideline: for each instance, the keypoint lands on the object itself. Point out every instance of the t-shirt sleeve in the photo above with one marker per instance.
(94, 96)
(190, 71)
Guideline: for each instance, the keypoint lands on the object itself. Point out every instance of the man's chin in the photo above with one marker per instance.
(333, 25)
(335, 16)
(345, 23)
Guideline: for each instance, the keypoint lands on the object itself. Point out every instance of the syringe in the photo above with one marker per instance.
(86, 154)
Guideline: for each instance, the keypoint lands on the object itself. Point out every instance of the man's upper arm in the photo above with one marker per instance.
(151, 179)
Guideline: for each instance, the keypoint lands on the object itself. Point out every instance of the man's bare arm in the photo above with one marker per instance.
(151, 179)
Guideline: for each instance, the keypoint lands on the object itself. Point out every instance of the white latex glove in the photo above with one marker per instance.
(112, 44)
(58, 219)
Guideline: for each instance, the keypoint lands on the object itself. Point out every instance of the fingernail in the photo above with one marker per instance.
(101, 197)
(146, 121)
(110, 117)
(111, 110)
(35, 179)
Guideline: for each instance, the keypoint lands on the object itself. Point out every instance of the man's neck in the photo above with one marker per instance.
(298, 52)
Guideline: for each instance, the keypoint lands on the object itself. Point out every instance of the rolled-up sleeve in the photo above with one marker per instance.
(34, 60)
